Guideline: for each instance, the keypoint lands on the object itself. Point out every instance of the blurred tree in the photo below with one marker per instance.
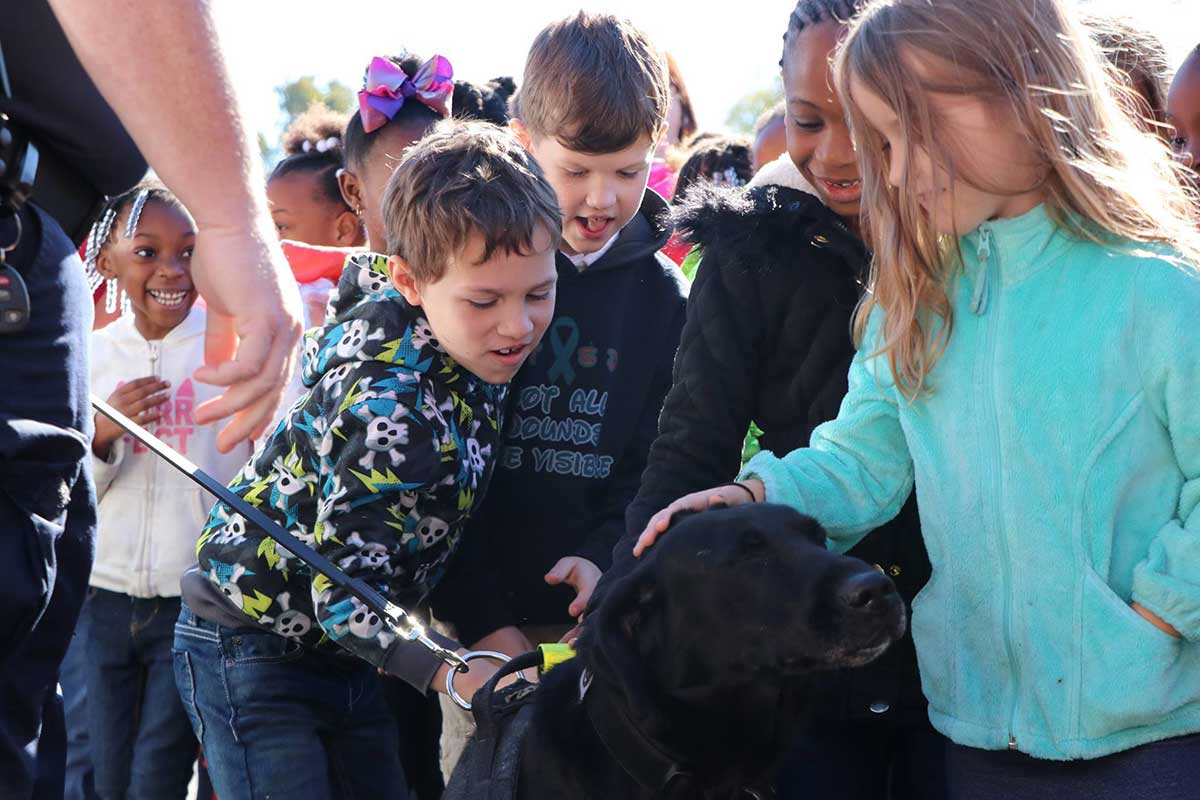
(296, 96)
(746, 110)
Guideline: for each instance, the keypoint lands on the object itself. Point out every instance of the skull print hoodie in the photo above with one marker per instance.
(377, 467)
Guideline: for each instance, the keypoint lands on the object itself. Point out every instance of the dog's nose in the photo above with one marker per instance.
(867, 591)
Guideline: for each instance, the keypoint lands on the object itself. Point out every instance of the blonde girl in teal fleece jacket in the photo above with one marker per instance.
(1039, 380)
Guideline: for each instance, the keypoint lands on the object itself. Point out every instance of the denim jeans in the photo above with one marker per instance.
(278, 719)
(72, 681)
(1166, 770)
(141, 741)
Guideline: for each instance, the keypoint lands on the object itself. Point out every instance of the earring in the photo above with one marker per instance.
(110, 296)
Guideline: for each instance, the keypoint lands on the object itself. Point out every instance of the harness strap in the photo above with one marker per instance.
(651, 766)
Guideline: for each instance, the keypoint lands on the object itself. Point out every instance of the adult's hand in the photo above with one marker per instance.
(204, 152)
(253, 327)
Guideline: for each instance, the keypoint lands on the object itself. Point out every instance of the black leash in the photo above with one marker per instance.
(398, 620)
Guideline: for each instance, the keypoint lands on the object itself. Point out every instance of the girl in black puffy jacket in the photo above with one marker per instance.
(767, 340)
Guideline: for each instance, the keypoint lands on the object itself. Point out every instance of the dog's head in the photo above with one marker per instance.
(734, 596)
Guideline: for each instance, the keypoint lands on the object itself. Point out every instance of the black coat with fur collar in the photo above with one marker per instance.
(768, 339)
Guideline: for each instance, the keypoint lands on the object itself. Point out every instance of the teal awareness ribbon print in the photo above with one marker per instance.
(564, 339)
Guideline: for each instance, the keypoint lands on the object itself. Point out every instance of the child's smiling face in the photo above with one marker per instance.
(1183, 114)
(154, 266)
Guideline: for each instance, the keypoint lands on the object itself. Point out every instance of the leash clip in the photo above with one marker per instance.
(475, 654)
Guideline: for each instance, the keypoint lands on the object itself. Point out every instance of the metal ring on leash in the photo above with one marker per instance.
(477, 654)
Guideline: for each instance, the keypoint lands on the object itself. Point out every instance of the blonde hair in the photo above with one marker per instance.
(1032, 61)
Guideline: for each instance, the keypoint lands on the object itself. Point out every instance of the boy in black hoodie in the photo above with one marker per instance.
(584, 408)
(378, 467)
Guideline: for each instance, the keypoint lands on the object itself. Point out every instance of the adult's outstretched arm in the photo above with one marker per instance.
(159, 66)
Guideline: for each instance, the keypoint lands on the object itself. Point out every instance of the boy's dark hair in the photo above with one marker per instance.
(811, 12)
(595, 83)
(725, 161)
(313, 144)
(416, 117)
(465, 178)
(488, 103)
(777, 111)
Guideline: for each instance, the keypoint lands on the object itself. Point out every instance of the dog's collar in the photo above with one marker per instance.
(641, 758)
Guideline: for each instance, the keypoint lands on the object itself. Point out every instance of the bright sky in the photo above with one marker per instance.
(725, 50)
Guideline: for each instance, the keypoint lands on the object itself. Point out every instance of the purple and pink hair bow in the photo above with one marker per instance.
(387, 87)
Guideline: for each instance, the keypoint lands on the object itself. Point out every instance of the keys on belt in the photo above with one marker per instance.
(14, 297)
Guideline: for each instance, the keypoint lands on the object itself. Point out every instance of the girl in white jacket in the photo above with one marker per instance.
(149, 514)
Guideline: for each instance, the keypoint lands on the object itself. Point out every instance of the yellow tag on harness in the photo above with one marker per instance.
(555, 654)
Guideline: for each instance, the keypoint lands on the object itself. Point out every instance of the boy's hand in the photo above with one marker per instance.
(140, 400)
(727, 495)
(1156, 620)
(579, 573)
(469, 682)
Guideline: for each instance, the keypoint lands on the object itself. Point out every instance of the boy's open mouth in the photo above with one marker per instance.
(594, 227)
(511, 355)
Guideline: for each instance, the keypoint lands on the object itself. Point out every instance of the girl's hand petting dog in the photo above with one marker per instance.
(731, 494)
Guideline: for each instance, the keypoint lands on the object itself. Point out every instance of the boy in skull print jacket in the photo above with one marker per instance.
(377, 467)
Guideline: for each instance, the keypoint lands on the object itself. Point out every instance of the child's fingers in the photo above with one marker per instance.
(135, 390)
(658, 523)
(138, 409)
(560, 572)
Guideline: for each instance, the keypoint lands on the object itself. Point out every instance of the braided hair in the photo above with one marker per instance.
(313, 144)
(811, 12)
(101, 233)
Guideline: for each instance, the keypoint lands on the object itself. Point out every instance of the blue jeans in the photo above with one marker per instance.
(80, 777)
(278, 719)
(141, 741)
(1166, 770)
(47, 505)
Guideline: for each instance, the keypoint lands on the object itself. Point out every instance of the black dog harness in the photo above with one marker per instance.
(642, 759)
(490, 766)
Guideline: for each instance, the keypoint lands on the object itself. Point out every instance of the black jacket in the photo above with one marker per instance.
(768, 340)
(581, 416)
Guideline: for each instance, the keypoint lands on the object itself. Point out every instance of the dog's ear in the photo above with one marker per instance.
(623, 632)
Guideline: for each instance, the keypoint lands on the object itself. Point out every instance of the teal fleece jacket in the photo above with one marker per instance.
(1058, 466)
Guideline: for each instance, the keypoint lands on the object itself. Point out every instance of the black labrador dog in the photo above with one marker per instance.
(692, 673)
